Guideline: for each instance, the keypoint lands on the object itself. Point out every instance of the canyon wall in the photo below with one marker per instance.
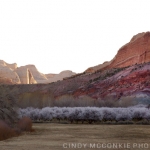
(7, 74)
(137, 51)
(25, 75)
(29, 74)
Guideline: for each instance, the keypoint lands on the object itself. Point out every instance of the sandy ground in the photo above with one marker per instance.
(55, 136)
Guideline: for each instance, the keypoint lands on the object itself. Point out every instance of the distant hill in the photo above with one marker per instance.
(137, 51)
(29, 74)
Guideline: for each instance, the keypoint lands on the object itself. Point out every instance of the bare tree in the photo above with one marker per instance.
(8, 109)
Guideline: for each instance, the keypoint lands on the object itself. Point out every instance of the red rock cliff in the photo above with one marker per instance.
(136, 51)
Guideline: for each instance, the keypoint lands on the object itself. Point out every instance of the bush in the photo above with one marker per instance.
(6, 131)
(25, 124)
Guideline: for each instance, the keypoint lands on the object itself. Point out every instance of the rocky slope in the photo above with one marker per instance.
(116, 84)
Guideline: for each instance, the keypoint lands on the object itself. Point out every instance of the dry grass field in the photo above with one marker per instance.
(58, 136)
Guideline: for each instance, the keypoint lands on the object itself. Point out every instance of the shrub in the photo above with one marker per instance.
(25, 124)
(6, 131)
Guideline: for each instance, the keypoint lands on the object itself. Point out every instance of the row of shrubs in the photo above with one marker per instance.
(88, 114)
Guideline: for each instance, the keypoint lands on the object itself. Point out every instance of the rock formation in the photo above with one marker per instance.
(98, 67)
(137, 51)
(25, 75)
(31, 71)
(60, 76)
(39, 77)
(11, 74)
(12, 66)
(8, 74)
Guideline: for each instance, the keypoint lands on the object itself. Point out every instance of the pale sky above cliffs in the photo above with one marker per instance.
(58, 35)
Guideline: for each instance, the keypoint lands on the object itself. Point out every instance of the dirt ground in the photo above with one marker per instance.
(55, 136)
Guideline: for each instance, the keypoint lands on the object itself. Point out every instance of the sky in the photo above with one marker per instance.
(57, 35)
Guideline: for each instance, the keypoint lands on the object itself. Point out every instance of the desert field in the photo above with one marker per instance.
(59, 136)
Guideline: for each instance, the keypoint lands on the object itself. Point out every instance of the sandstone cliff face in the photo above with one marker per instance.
(30, 75)
(7, 74)
(11, 74)
(137, 51)
(12, 66)
(6, 80)
(38, 77)
(25, 75)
